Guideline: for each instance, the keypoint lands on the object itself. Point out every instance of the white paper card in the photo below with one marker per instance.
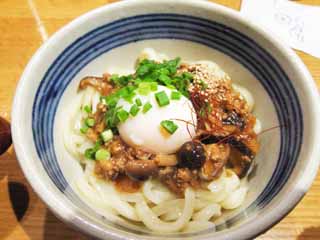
(296, 24)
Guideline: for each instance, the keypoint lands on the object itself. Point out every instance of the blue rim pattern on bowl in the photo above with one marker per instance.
(170, 26)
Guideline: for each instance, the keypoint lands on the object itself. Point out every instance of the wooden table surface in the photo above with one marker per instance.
(24, 26)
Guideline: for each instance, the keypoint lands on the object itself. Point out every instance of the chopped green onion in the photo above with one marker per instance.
(111, 100)
(154, 86)
(146, 107)
(169, 126)
(90, 153)
(127, 93)
(143, 69)
(84, 129)
(97, 145)
(165, 79)
(144, 88)
(87, 109)
(187, 76)
(102, 154)
(175, 95)
(122, 115)
(120, 81)
(134, 110)
(106, 135)
(162, 98)
(138, 102)
(89, 122)
(171, 87)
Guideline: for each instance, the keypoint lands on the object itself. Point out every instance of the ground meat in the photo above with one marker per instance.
(117, 147)
(239, 163)
(137, 153)
(106, 170)
(92, 135)
(110, 169)
(217, 157)
(178, 179)
(125, 160)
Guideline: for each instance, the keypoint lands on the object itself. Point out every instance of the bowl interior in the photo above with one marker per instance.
(122, 59)
(96, 44)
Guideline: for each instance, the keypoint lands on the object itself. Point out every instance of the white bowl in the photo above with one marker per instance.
(111, 37)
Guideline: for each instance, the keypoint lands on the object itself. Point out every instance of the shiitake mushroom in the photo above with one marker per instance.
(191, 155)
(140, 170)
(5, 135)
(240, 146)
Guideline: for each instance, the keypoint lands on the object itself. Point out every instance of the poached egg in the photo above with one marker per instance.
(144, 130)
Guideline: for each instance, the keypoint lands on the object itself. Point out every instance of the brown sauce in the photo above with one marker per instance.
(125, 184)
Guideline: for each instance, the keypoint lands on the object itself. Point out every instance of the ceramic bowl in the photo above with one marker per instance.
(112, 37)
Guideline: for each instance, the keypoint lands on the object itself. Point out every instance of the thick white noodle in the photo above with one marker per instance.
(107, 192)
(231, 182)
(70, 139)
(88, 96)
(200, 204)
(212, 210)
(154, 223)
(235, 199)
(257, 127)
(168, 206)
(131, 197)
(95, 101)
(196, 226)
(155, 192)
(172, 215)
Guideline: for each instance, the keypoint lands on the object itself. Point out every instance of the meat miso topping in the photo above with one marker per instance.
(224, 134)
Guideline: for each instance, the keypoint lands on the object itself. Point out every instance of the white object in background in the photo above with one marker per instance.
(296, 24)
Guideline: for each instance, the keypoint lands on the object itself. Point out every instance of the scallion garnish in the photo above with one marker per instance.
(162, 98)
(122, 115)
(89, 122)
(154, 86)
(87, 109)
(175, 95)
(138, 102)
(165, 79)
(106, 135)
(169, 126)
(90, 153)
(146, 107)
(84, 129)
(134, 110)
(144, 88)
(102, 154)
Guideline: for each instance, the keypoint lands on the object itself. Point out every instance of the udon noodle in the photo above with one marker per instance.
(153, 206)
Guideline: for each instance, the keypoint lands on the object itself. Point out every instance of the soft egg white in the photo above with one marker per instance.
(144, 130)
